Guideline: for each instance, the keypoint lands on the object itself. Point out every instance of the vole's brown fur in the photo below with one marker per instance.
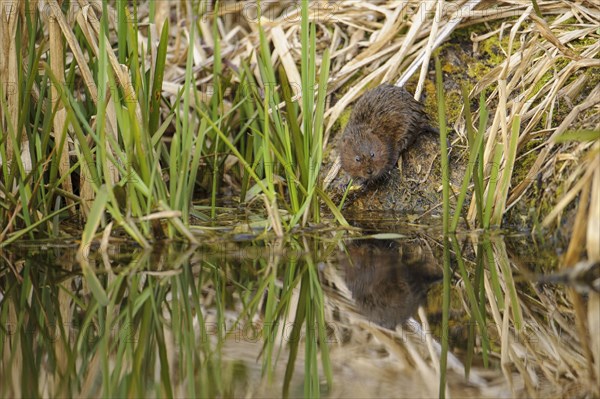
(383, 123)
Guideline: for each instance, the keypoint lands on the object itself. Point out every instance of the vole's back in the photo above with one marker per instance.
(393, 114)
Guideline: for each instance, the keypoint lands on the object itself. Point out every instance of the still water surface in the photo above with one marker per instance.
(322, 313)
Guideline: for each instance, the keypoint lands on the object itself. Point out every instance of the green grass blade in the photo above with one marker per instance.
(159, 73)
(478, 171)
(445, 317)
(475, 144)
(509, 164)
(91, 226)
(493, 182)
(443, 145)
(578, 135)
(474, 304)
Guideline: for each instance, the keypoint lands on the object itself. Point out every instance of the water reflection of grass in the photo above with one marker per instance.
(167, 316)
(206, 322)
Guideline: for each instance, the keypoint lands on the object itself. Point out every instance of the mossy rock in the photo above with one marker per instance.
(413, 187)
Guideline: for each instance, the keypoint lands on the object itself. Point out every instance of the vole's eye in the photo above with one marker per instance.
(372, 154)
(357, 158)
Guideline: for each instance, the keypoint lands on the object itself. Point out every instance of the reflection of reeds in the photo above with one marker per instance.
(163, 320)
(194, 323)
(521, 329)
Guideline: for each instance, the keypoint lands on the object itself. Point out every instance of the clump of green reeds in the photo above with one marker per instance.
(287, 134)
(113, 153)
(109, 142)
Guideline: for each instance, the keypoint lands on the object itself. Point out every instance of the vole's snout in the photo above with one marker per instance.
(369, 171)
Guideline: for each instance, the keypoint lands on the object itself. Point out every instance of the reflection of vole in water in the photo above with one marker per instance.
(383, 123)
(389, 280)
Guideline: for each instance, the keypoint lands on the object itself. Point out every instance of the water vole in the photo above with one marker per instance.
(383, 123)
